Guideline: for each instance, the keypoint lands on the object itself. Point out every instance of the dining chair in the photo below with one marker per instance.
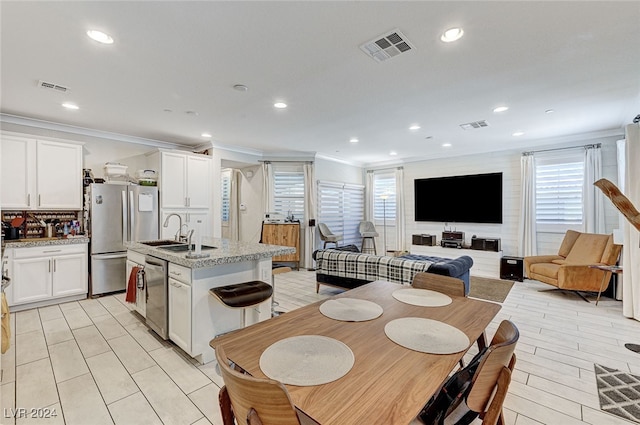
(328, 236)
(479, 389)
(252, 401)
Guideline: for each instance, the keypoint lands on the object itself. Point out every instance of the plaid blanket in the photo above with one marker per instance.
(368, 267)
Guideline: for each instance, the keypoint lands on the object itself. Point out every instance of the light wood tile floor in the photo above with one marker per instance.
(94, 362)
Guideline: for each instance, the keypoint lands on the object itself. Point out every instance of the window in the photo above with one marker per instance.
(559, 184)
(288, 193)
(225, 184)
(384, 185)
(341, 207)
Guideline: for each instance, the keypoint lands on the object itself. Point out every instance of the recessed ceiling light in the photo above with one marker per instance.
(518, 133)
(100, 37)
(452, 34)
(501, 109)
(240, 87)
(72, 106)
(280, 105)
(354, 140)
(393, 153)
(549, 111)
(414, 127)
(446, 145)
(167, 110)
(206, 135)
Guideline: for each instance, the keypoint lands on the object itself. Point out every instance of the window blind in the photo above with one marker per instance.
(559, 193)
(225, 183)
(288, 193)
(384, 185)
(341, 207)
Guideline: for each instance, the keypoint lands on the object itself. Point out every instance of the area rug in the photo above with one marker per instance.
(619, 392)
(489, 289)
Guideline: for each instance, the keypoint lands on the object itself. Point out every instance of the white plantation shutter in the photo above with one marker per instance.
(226, 195)
(384, 184)
(288, 193)
(341, 208)
(559, 185)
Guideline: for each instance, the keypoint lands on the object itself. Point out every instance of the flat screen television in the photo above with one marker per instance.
(473, 198)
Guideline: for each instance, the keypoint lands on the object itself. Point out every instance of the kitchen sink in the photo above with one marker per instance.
(164, 242)
(184, 247)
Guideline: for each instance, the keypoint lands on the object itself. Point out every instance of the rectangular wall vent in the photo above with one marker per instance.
(474, 125)
(52, 86)
(386, 46)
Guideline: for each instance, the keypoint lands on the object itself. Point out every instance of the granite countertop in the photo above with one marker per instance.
(226, 252)
(28, 243)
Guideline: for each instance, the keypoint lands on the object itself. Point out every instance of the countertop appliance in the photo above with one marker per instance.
(117, 214)
(157, 312)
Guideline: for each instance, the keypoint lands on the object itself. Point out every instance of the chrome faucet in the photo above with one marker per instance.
(179, 236)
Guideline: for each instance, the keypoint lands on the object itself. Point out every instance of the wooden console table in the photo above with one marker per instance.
(285, 234)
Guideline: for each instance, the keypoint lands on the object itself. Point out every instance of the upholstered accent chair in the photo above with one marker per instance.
(569, 269)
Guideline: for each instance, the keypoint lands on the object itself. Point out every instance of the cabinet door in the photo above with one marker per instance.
(69, 275)
(18, 173)
(173, 185)
(180, 314)
(205, 225)
(198, 182)
(59, 175)
(141, 294)
(31, 279)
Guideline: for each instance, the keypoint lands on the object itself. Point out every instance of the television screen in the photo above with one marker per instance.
(459, 199)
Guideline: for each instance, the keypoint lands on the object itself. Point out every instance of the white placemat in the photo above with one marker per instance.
(307, 360)
(350, 309)
(421, 297)
(426, 335)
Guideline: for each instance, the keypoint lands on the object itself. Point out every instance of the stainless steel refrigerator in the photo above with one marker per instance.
(118, 214)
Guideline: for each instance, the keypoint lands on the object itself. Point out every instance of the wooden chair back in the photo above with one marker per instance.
(435, 282)
(253, 400)
(499, 356)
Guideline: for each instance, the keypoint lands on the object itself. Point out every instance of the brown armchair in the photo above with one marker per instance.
(569, 269)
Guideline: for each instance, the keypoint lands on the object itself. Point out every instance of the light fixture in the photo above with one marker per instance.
(354, 140)
(100, 37)
(414, 127)
(240, 87)
(549, 111)
(518, 133)
(280, 105)
(446, 145)
(501, 109)
(393, 153)
(71, 106)
(206, 135)
(452, 34)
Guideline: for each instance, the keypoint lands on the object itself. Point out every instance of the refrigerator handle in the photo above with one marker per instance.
(125, 229)
(132, 215)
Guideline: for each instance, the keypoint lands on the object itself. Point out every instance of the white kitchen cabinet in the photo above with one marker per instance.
(198, 181)
(185, 180)
(180, 314)
(41, 174)
(47, 273)
(135, 259)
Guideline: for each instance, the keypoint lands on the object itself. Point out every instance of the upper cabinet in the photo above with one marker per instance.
(41, 174)
(185, 180)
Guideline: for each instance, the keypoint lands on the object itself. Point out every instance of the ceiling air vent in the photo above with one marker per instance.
(474, 125)
(52, 86)
(387, 46)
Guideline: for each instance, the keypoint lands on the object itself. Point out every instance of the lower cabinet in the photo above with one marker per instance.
(141, 293)
(180, 314)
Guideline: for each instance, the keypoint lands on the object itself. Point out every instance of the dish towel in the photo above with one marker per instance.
(6, 326)
(131, 286)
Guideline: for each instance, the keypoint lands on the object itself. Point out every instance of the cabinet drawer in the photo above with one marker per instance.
(180, 273)
(49, 251)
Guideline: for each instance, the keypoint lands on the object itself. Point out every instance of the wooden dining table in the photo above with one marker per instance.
(388, 384)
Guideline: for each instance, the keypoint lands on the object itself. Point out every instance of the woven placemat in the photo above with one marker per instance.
(350, 309)
(421, 297)
(426, 335)
(307, 360)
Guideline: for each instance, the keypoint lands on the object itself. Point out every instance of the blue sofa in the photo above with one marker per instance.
(346, 269)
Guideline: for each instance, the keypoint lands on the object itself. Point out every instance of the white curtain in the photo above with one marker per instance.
(631, 247)
(267, 187)
(234, 206)
(527, 224)
(310, 202)
(593, 199)
(369, 197)
(400, 225)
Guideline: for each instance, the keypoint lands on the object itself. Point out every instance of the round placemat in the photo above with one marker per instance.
(421, 297)
(426, 335)
(350, 309)
(307, 360)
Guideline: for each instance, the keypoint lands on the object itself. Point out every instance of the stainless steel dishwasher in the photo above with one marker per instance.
(157, 295)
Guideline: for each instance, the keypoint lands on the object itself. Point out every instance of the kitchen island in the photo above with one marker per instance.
(194, 317)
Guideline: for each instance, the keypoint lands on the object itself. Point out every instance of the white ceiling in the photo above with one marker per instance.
(579, 58)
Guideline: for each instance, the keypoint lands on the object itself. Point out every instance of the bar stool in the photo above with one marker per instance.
(368, 232)
(276, 268)
(243, 295)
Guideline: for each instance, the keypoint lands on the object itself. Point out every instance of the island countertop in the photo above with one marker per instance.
(226, 252)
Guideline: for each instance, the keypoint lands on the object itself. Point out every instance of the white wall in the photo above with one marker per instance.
(334, 171)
